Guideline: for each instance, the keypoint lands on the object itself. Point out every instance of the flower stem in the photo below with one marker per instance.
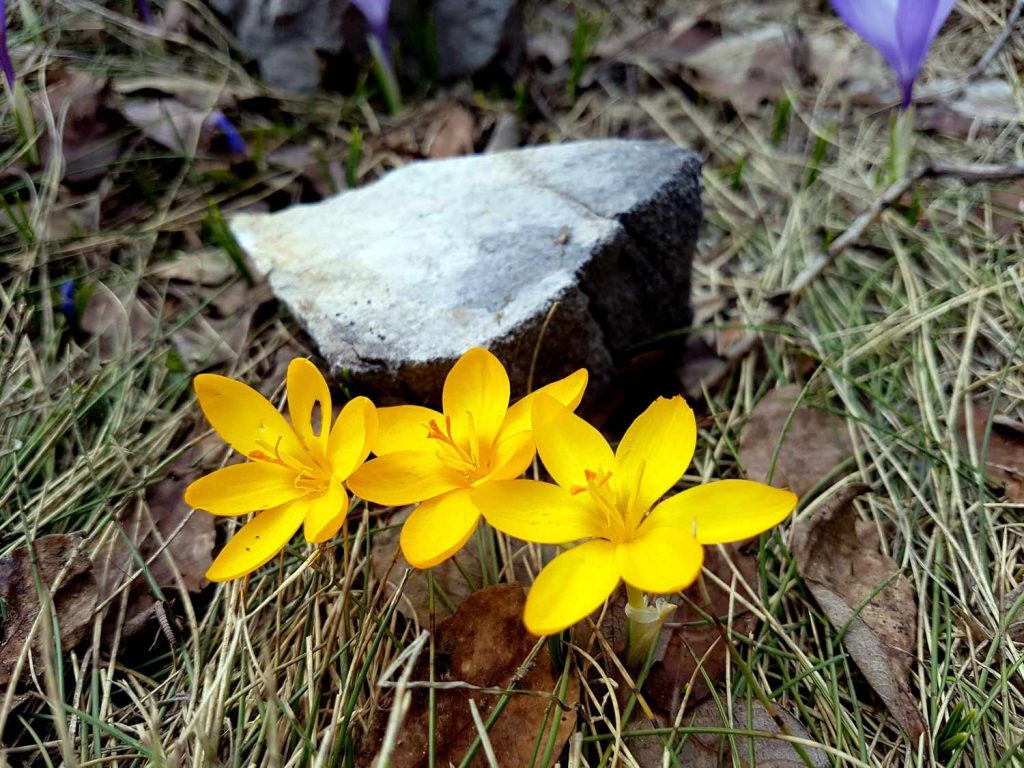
(901, 142)
(385, 75)
(643, 629)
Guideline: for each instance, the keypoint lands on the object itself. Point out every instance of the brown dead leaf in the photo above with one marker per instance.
(87, 121)
(115, 322)
(715, 749)
(165, 533)
(864, 595)
(1004, 455)
(66, 572)
(452, 134)
(813, 445)
(483, 644)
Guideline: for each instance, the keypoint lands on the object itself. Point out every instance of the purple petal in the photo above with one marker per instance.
(5, 57)
(875, 21)
(917, 24)
(234, 139)
(145, 12)
(376, 14)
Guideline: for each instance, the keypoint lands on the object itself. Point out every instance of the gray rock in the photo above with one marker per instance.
(473, 35)
(396, 280)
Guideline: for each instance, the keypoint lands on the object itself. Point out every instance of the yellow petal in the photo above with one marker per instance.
(568, 446)
(438, 528)
(475, 398)
(243, 488)
(309, 404)
(511, 456)
(567, 391)
(244, 418)
(404, 477)
(660, 560)
(726, 510)
(571, 587)
(326, 513)
(655, 451)
(257, 542)
(404, 428)
(539, 512)
(351, 436)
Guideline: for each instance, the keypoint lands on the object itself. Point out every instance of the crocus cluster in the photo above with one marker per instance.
(607, 508)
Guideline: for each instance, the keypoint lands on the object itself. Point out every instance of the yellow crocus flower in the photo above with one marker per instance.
(296, 472)
(440, 459)
(609, 500)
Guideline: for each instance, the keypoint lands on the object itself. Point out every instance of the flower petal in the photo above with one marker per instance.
(404, 477)
(724, 511)
(244, 418)
(567, 391)
(875, 22)
(660, 560)
(571, 587)
(438, 528)
(404, 428)
(917, 24)
(568, 445)
(242, 488)
(326, 513)
(351, 436)
(539, 512)
(475, 398)
(511, 456)
(653, 454)
(309, 397)
(257, 542)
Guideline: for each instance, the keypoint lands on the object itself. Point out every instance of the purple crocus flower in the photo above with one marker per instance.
(901, 30)
(376, 14)
(235, 142)
(5, 57)
(145, 12)
(67, 300)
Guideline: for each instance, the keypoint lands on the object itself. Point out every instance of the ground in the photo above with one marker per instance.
(910, 338)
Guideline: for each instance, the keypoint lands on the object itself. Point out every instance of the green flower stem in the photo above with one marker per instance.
(385, 76)
(901, 143)
(643, 628)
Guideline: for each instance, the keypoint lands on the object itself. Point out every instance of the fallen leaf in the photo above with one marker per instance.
(66, 572)
(711, 750)
(1004, 454)
(206, 266)
(114, 322)
(484, 644)
(169, 123)
(452, 134)
(165, 533)
(88, 122)
(806, 449)
(864, 595)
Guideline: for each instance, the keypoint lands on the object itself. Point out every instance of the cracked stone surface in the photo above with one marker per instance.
(395, 280)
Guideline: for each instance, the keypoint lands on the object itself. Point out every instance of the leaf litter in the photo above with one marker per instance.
(865, 597)
(481, 652)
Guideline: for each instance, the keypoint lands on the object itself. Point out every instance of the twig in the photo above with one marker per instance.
(975, 173)
(780, 302)
(1000, 42)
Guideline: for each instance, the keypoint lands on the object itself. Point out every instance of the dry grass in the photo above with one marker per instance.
(900, 335)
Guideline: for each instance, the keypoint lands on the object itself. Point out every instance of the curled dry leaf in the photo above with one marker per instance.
(485, 645)
(1004, 454)
(863, 594)
(66, 572)
(806, 449)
